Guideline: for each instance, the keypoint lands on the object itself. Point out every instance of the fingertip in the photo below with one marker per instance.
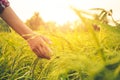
(48, 58)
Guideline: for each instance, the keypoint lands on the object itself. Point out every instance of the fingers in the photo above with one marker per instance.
(36, 51)
(39, 47)
(46, 40)
(42, 51)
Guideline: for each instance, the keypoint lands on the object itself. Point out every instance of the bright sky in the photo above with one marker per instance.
(58, 10)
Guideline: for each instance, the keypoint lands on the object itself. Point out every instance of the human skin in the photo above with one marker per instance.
(36, 42)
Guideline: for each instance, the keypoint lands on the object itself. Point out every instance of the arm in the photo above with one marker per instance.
(12, 20)
(37, 44)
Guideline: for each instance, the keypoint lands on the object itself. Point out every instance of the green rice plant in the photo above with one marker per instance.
(14, 62)
(75, 55)
(92, 31)
(4, 27)
(34, 66)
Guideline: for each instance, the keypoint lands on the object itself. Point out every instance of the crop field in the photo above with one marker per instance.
(77, 55)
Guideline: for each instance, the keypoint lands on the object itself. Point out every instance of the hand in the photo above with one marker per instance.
(39, 46)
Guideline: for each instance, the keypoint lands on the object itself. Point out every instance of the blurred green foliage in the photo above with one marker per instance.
(78, 54)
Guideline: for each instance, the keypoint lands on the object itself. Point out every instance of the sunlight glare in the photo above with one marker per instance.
(59, 10)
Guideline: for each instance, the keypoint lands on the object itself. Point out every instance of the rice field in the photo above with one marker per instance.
(85, 55)
(77, 56)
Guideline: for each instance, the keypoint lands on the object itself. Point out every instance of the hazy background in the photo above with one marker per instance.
(58, 10)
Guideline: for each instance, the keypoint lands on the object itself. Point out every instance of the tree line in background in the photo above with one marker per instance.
(37, 23)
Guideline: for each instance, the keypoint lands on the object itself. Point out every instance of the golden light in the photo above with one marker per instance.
(59, 10)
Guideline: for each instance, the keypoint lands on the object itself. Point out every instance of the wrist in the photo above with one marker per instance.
(29, 36)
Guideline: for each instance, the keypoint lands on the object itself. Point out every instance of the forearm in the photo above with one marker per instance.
(13, 20)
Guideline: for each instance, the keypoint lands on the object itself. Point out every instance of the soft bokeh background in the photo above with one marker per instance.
(58, 10)
(85, 46)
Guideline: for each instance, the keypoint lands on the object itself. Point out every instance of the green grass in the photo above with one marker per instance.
(77, 56)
